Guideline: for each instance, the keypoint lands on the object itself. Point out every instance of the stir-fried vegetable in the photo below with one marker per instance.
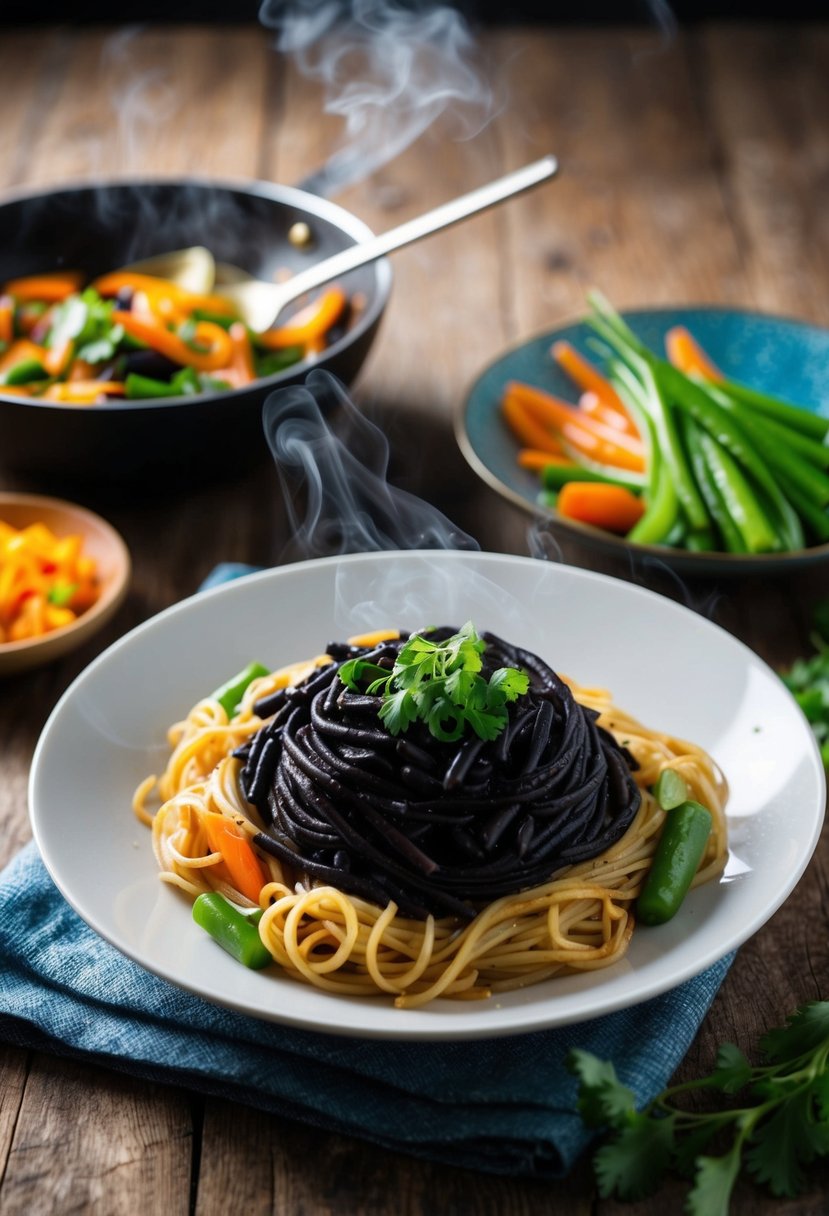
(133, 335)
(698, 460)
(46, 581)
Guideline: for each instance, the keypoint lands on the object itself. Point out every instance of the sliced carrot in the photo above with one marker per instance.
(535, 460)
(49, 288)
(572, 426)
(526, 428)
(246, 871)
(311, 323)
(218, 352)
(586, 375)
(20, 349)
(6, 319)
(596, 407)
(603, 506)
(83, 392)
(242, 361)
(686, 353)
(57, 358)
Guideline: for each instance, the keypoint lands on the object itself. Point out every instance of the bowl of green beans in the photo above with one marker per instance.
(694, 436)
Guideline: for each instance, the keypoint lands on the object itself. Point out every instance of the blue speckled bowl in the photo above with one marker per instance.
(786, 358)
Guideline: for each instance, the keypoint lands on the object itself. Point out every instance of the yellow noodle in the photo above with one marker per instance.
(581, 920)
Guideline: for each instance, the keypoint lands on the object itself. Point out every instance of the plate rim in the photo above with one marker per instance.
(524, 1019)
(749, 564)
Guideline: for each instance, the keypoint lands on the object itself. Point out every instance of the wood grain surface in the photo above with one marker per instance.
(693, 171)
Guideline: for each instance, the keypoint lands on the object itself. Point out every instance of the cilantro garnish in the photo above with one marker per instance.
(439, 683)
(781, 1127)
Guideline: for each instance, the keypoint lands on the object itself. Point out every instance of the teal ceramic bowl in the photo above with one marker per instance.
(783, 357)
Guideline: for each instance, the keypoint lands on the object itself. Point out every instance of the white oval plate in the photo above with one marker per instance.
(671, 668)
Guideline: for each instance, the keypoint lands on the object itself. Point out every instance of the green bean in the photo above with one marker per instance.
(234, 932)
(813, 482)
(670, 789)
(661, 511)
(781, 411)
(741, 503)
(230, 694)
(816, 453)
(554, 476)
(815, 518)
(730, 533)
(680, 849)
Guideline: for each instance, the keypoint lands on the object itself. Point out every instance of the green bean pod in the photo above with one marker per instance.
(670, 789)
(676, 860)
(781, 411)
(740, 501)
(230, 694)
(730, 533)
(234, 932)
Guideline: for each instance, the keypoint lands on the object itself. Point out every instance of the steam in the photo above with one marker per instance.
(389, 70)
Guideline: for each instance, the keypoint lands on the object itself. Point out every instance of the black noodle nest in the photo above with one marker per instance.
(437, 827)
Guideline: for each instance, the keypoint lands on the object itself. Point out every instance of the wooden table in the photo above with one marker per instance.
(693, 171)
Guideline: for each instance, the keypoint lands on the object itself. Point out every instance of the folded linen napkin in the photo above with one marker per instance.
(504, 1105)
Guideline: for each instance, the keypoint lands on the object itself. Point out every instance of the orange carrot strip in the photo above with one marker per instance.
(216, 339)
(531, 458)
(246, 871)
(83, 392)
(686, 353)
(586, 375)
(57, 358)
(596, 407)
(156, 288)
(6, 319)
(527, 429)
(311, 323)
(242, 360)
(49, 288)
(604, 506)
(573, 426)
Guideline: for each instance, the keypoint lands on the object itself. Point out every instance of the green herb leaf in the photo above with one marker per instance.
(714, 1183)
(603, 1099)
(439, 683)
(632, 1165)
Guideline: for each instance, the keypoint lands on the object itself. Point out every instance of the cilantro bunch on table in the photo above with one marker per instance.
(808, 681)
(440, 684)
(779, 1125)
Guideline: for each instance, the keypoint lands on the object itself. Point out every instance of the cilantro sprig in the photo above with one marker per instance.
(782, 1126)
(439, 683)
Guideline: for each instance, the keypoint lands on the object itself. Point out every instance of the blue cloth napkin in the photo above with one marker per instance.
(504, 1105)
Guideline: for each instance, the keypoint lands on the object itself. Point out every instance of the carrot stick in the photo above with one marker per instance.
(571, 426)
(47, 287)
(244, 866)
(686, 354)
(603, 506)
(596, 407)
(217, 340)
(312, 322)
(57, 358)
(535, 460)
(527, 429)
(588, 377)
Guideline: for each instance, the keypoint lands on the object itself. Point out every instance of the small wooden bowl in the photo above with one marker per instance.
(101, 542)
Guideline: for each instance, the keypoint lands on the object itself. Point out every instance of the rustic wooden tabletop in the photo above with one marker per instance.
(694, 170)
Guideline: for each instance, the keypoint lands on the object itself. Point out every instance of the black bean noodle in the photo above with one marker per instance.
(440, 828)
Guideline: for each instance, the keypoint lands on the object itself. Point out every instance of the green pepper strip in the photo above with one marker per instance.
(230, 693)
(676, 860)
(25, 372)
(730, 533)
(138, 387)
(234, 932)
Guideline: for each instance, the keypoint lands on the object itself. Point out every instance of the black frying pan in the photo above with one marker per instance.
(99, 228)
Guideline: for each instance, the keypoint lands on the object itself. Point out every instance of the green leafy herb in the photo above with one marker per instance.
(439, 683)
(782, 1126)
(808, 681)
(86, 320)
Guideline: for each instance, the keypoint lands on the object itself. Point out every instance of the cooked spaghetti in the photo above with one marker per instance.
(423, 867)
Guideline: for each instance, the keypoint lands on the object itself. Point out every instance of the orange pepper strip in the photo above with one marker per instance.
(242, 361)
(246, 871)
(156, 288)
(83, 392)
(311, 323)
(218, 354)
(590, 379)
(573, 427)
(685, 353)
(527, 429)
(19, 350)
(50, 288)
(57, 358)
(604, 506)
(6, 319)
